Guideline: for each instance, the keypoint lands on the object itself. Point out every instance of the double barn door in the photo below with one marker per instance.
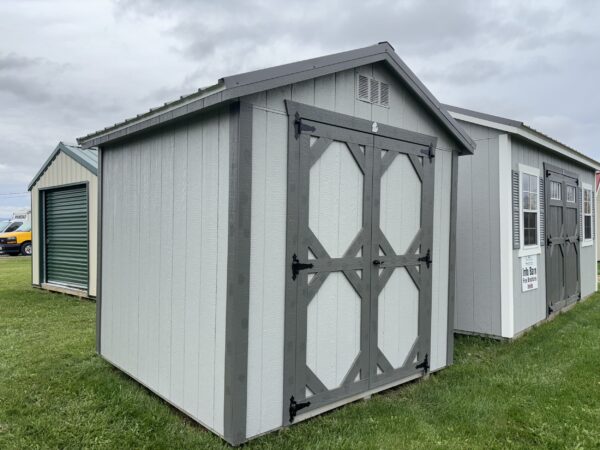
(360, 216)
(562, 238)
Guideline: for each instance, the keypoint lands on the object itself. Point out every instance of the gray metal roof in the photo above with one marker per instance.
(87, 157)
(569, 152)
(231, 88)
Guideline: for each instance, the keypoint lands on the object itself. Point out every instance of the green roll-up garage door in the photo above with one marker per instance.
(66, 226)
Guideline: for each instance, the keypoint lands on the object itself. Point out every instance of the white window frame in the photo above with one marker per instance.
(587, 242)
(529, 249)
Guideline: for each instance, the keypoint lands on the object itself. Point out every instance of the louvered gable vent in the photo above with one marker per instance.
(373, 91)
(363, 88)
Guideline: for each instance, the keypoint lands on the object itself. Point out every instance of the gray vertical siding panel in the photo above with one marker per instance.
(167, 236)
(164, 278)
(335, 92)
(477, 303)
(178, 313)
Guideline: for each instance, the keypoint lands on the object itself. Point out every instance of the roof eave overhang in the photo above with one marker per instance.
(238, 86)
(66, 150)
(530, 135)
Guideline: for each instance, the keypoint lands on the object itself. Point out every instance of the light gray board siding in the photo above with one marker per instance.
(164, 247)
(530, 307)
(334, 92)
(477, 303)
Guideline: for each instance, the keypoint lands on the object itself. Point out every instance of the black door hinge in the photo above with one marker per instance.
(426, 259)
(295, 407)
(300, 127)
(424, 365)
(297, 266)
(430, 152)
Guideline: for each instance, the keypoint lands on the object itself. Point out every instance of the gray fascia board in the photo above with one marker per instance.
(302, 67)
(520, 127)
(65, 149)
(480, 115)
(237, 86)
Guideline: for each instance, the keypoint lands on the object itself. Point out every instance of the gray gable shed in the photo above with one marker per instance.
(295, 240)
(64, 222)
(526, 235)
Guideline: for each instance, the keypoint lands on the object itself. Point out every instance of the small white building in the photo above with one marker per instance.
(526, 244)
(290, 240)
(64, 221)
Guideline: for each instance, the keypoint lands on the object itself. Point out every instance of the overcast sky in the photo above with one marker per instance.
(70, 67)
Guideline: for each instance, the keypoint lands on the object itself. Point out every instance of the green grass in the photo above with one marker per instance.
(540, 391)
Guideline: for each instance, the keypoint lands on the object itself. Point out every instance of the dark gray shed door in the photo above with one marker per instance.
(358, 303)
(562, 238)
(66, 234)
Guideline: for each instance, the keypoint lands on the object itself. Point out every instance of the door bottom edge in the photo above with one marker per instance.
(352, 398)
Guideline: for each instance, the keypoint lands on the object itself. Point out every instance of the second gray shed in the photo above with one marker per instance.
(526, 234)
(291, 240)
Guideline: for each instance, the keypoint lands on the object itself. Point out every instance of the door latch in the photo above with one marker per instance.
(295, 407)
(426, 259)
(300, 127)
(297, 266)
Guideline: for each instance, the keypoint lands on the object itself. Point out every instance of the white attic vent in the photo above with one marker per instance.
(370, 90)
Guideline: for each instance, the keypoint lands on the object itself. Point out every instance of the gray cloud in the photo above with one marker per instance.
(536, 62)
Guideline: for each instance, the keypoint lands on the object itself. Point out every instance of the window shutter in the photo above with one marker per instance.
(515, 210)
(581, 221)
(542, 200)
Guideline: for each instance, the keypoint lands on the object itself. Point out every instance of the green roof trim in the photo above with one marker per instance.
(87, 157)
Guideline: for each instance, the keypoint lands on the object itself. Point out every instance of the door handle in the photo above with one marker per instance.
(377, 262)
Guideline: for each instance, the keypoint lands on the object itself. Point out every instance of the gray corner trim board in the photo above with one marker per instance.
(99, 259)
(516, 227)
(452, 257)
(238, 273)
(261, 80)
(61, 147)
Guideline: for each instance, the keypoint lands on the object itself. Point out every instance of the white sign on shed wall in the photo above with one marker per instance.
(529, 273)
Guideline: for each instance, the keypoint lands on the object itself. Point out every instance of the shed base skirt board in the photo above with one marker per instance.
(64, 290)
(161, 397)
(526, 330)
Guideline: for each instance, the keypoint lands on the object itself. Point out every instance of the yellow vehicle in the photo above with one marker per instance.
(17, 242)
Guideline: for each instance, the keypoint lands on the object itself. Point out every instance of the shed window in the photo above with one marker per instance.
(555, 190)
(530, 202)
(587, 214)
(571, 194)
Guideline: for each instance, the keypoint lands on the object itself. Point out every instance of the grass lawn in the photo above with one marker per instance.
(540, 391)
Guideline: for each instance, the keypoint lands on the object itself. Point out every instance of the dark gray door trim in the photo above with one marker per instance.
(565, 177)
(238, 273)
(354, 123)
(419, 271)
(304, 118)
